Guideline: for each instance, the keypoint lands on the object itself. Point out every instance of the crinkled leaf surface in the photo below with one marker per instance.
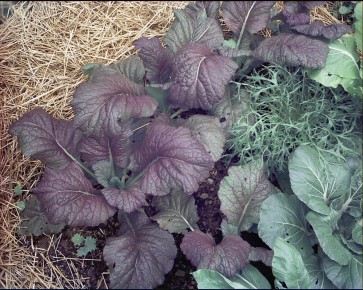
(293, 50)
(283, 216)
(141, 255)
(200, 77)
(211, 8)
(330, 244)
(249, 278)
(43, 137)
(317, 28)
(341, 66)
(177, 212)
(108, 100)
(358, 25)
(132, 67)
(104, 175)
(128, 200)
(315, 181)
(228, 257)
(345, 277)
(193, 28)
(170, 158)
(208, 131)
(242, 193)
(253, 15)
(157, 59)
(68, 196)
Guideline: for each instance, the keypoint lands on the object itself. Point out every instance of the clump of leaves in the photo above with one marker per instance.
(287, 109)
(89, 244)
(325, 211)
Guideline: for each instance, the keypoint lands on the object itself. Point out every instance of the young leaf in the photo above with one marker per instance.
(197, 29)
(21, 205)
(228, 257)
(208, 131)
(249, 278)
(17, 190)
(141, 255)
(293, 50)
(110, 99)
(45, 138)
(345, 277)
(242, 193)
(170, 158)
(77, 239)
(89, 246)
(283, 216)
(104, 175)
(177, 212)
(68, 196)
(200, 77)
(156, 58)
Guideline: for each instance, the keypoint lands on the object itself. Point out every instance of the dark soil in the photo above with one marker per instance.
(179, 277)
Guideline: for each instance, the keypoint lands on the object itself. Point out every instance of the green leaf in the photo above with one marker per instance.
(283, 216)
(77, 239)
(319, 280)
(249, 278)
(242, 193)
(17, 190)
(289, 267)
(344, 10)
(341, 66)
(315, 180)
(160, 96)
(89, 245)
(357, 232)
(330, 244)
(345, 277)
(21, 205)
(358, 24)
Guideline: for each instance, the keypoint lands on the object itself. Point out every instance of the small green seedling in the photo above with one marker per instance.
(89, 244)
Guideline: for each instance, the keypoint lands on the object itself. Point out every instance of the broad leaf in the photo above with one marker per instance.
(345, 277)
(127, 200)
(283, 216)
(67, 196)
(242, 193)
(211, 8)
(208, 131)
(228, 257)
(177, 212)
(201, 77)
(140, 256)
(341, 66)
(317, 28)
(319, 280)
(261, 254)
(131, 67)
(157, 60)
(358, 25)
(357, 232)
(293, 50)
(288, 266)
(249, 278)
(253, 16)
(197, 28)
(330, 244)
(315, 181)
(110, 99)
(43, 137)
(170, 158)
(356, 194)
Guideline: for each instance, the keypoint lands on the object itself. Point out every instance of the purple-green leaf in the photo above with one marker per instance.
(228, 257)
(43, 137)
(170, 158)
(211, 8)
(251, 16)
(201, 77)
(141, 256)
(293, 50)
(102, 104)
(68, 196)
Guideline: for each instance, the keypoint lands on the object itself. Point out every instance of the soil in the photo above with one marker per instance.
(179, 277)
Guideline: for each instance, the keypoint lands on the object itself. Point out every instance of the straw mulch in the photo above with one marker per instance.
(43, 45)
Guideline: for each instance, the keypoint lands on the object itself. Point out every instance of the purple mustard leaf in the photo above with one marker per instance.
(211, 8)
(311, 4)
(251, 16)
(106, 146)
(228, 257)
(156, 58)
(43, 137)
(296, 19)
(141, 256)
(67, 196)
(108, 100)
(293, 50)
(317, 28)
(201, 77)
(127, 200)
(132, 67)
(193, 28)
(170, 158)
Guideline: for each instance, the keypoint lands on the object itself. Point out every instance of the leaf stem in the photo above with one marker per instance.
(172, 116)
(127, 218)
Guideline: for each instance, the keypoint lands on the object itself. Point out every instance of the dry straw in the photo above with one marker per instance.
(43, 45)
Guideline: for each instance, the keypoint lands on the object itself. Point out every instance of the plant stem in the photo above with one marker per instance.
(127, 218)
